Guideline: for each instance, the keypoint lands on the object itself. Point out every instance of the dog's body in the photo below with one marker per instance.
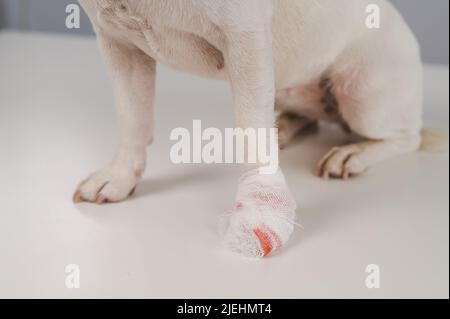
(313, 59)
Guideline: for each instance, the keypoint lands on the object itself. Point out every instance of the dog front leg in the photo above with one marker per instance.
(264, 213)
(133, 76)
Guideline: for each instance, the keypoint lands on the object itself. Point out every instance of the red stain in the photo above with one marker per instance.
(264, 240)
(275, 237)
(239, 205)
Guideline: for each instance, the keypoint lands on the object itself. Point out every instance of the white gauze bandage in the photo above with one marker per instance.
(263, 218)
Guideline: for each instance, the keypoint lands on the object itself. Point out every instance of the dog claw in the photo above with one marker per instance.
(101, 199)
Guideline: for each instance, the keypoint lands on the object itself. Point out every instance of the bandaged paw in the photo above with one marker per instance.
(263, 218)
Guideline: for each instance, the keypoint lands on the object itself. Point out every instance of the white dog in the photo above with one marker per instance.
(312, 59)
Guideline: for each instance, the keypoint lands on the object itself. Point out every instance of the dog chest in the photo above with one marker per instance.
(153, 31)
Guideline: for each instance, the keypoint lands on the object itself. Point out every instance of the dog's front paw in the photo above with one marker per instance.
(110, 185)
(263, 218)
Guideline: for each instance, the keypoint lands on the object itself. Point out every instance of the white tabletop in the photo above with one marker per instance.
(57, 124)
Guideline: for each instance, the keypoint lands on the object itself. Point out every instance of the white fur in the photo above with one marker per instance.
(271, 52)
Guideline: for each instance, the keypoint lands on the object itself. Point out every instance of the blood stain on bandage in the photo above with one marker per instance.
(264, 240)
(266, 236)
